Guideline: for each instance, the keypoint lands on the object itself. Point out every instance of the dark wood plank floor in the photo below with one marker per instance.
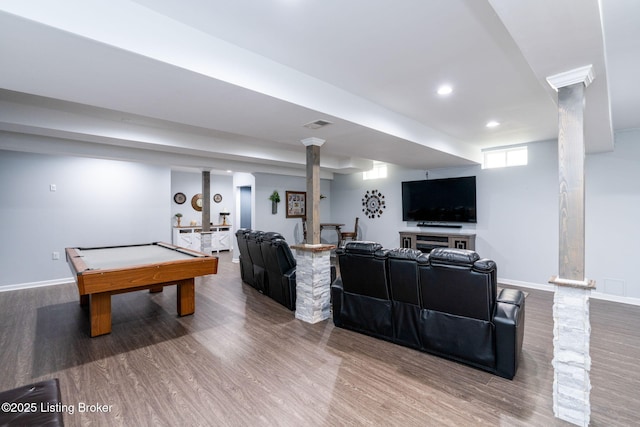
(242, 360)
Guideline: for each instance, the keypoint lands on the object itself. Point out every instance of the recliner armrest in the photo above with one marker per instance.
(509, 322)
(511, 296)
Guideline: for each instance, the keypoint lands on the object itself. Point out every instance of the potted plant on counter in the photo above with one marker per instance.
(275, 199)
(178, 218)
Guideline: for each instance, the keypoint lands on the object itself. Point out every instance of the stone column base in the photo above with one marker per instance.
(205, 242)
(313, 282)
(571, 359)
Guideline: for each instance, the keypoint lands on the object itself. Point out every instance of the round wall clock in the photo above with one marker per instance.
(373, 204)
(196, 202)
(179, 198)
(217, 198)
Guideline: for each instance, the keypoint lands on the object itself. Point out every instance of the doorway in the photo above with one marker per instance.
(245, 207)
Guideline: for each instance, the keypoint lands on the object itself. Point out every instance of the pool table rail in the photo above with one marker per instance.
(105, 280)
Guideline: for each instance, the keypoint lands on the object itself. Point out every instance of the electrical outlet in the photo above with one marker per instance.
(55, 256)
(52, 187)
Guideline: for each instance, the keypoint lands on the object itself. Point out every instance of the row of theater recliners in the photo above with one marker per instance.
(267, 264)
(445, 302)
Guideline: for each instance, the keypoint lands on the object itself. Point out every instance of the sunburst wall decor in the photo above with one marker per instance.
(373, 204)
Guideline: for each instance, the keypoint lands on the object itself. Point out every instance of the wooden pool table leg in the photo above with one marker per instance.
(100, 314)
(186, 298)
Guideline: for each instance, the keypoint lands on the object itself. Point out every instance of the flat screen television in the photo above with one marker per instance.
(440, 200)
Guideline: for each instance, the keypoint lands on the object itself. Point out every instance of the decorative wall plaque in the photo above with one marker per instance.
(196, 202)
(373, 204)
(179, 198)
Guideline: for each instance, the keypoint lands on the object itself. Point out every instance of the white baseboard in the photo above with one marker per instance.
(615, 298)
(550, 288)
(30, 285)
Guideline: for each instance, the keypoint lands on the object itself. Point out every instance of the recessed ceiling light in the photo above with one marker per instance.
(229, 171)
(445, 90)
(492, 124)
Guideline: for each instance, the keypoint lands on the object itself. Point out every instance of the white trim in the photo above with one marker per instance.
(313, 141)
(615, 298)
(31, 285)
(551, 288)
(567, 78)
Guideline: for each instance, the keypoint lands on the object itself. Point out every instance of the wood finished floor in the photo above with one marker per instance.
(243, 360)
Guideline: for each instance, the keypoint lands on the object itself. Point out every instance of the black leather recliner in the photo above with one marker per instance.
(280, 269)
(445, 303)
(365, 302)
(268, 265)
(246, 265)
(458, 298)
(405, 295)
(254, 241)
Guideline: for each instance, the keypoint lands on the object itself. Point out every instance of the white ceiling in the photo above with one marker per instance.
(229, 85)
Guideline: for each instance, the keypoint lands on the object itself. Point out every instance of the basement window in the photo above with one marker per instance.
(379, 171)
(502, 158)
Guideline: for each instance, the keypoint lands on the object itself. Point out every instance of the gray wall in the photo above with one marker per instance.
(190, 183)
(96, 202)
(290, 228)
(108, 202)
(613, 212)
(518, 214)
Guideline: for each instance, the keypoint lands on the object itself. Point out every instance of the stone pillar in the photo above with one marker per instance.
(313, 282)
(571, 359)
(205, 242)
(572, 329)
(313, 260)
(313, 189)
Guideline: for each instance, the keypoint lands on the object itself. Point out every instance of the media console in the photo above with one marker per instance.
(426, 241)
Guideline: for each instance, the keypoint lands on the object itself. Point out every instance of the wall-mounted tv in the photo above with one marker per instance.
(440, 200)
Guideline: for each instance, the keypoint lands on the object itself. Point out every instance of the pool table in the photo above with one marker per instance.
(104, 271)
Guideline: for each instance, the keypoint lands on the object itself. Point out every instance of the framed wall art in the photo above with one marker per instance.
(296, 204)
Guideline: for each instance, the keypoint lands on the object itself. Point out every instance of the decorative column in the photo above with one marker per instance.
(313, 260)
(313, 189)
(572, 329)
(205, 243)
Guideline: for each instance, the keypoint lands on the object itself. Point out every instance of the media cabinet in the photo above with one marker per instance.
(426, 241)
